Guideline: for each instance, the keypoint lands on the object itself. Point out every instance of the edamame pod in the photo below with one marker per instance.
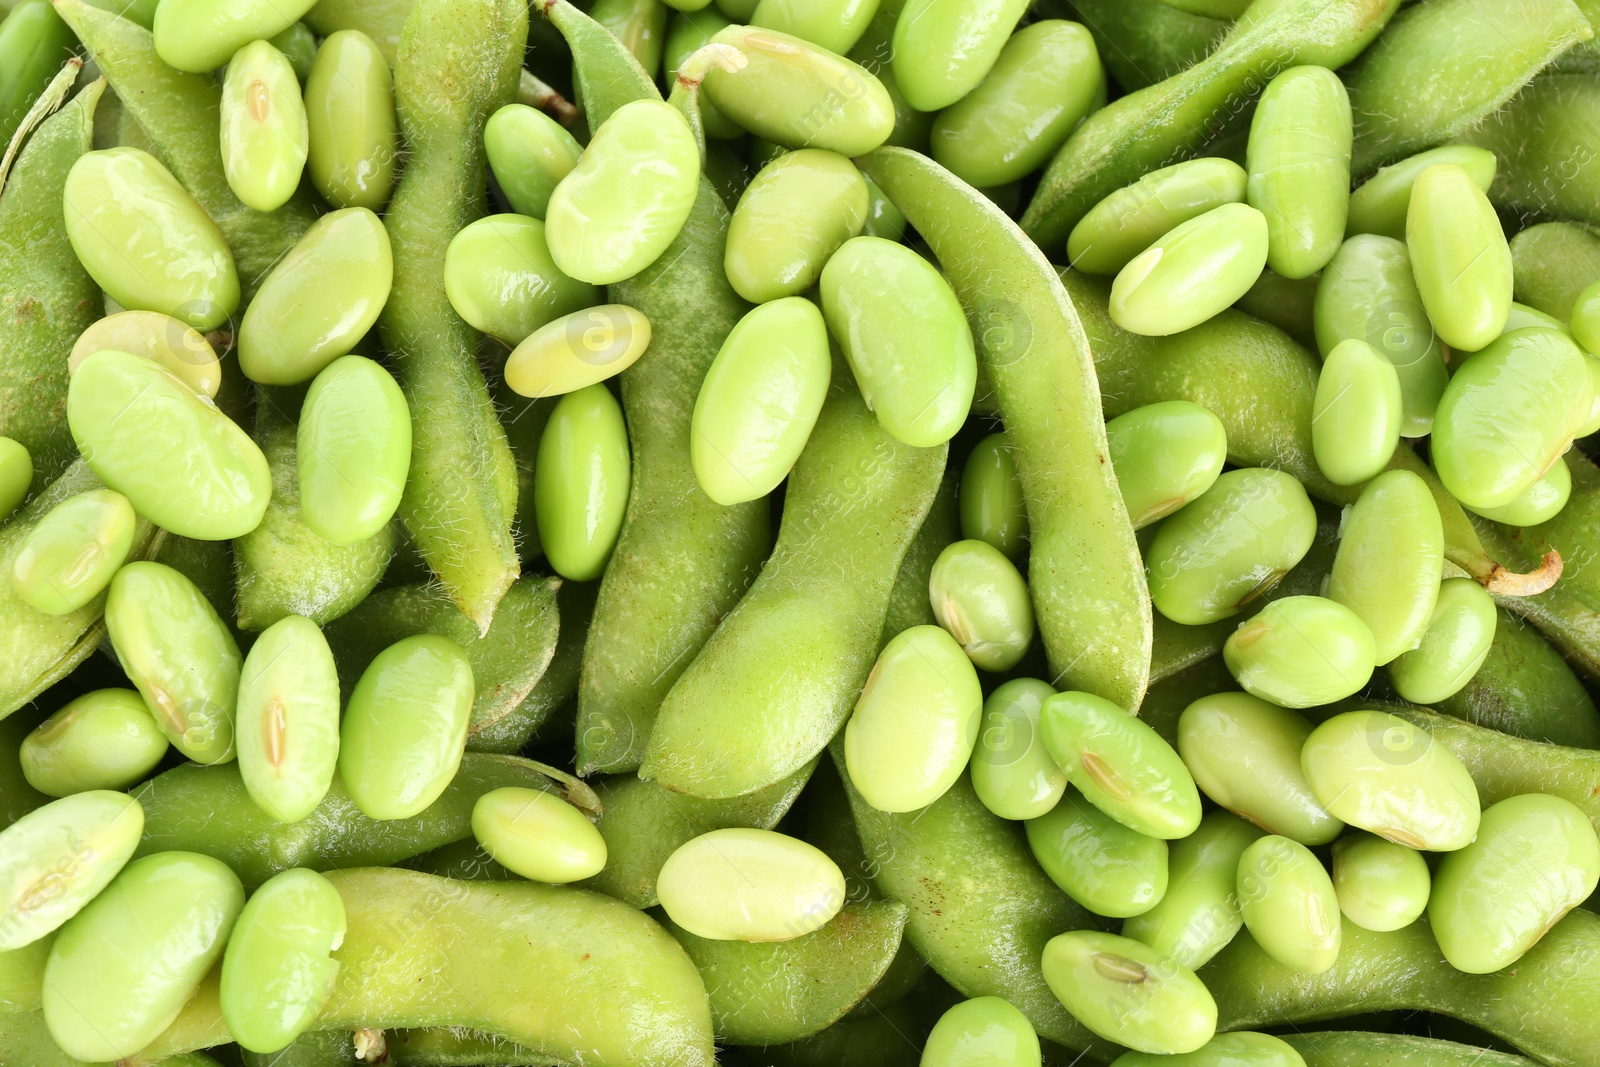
(628, 197)
(105, 739)
(70, 555)
(500, 277)
(350, 114)
(1379, 205)
(1289, 905)
(760, 400)
(832, 24)
(1134, 217)
(1383, 774)
(1103, 865)
(1299, 166)
(1197, 269)
(992, 505)
(538, 835)
(750, 885)
(1043, 81)
(181, 656)
(145, 240)
(1380, 885)
(578, 350)
(1390, 561)
(288, 719)
(943, 50)
(801, 96)
(299, 46)
(581, 482)
(1013, 773)
(1199, 914)
(1128, 993)
(198, 36)
(1357, 417)
(986, 1030)
(264, 137)
(123, 968)
(1301, 651)
(353, 450)
(34, 42)
(320, 300)
(906, 337)
(16, 476)
(529, 153)
(1165, 455)
(60, 857)
(793, 216)
(278, 971)
(980, 598)
(1459, 256)
(914, 725)
(1455, 644)
(177, 346)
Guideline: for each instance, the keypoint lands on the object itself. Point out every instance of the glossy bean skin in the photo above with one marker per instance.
(60, 857)
(835, 26)
(1103, 865)
(1043, 81)
(792, 217)
(538, 835)
(992, 505)
(1540, 502)
(1298, 162)
(1013, 773)
(529, 153)
(288, 719)
(198, 37)
(1289, 905)
(1454, 646)
(105, 739)
(582, 482)
(1130, 994)
(1381, 886)
(1128, 221)
(350, 111)
(69, 557)
(177, 346)
(354, 450)
(264, 135)
(1192, 272)
(1459, 256)
(1379, 204)
(981, 599)
(640, 25)
(1242, 1048)
(1200, 913)
(750, 885)
(1165, 455)
(580, 349)
(1358, 413)
(1390, 561)
(984, 1029)
(1301, 651)
(942, 51)
(500, 277)
(16, 475)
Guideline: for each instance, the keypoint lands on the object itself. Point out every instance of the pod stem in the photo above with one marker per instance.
(54, 95)
(1502, 582)
(535, 93)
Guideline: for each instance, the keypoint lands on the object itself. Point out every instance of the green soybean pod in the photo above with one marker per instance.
(1367, 292)
(1013, 773)
(59, 857)
(1298, 161)
(1383, 774)
(1121, 765)
(1244, 754)
(581, 482)
(1241, 1048)
(34, 42)
(760, 400)
(105, 739)
(538, 835)
(320, 299)
(16, 475)
(914, 726)
(288, 719)
(943, 49)
(1128, 993)
(1229, 546)
(984, 1030)
(1103, 865)
(352, 450)
(992, 505)
(405, 726)
(145, 240)
(264, 137)
(800, 96)
(1042, 83)
(180, 655)
(69, 556)
(688, 33)
(1459, 255)
(1379, 204)
(1541, 501)
(1191, 273)
(981, 599)
(1390, 561)
(278, 970)
(1165, 455)
(199, 36)
(1381, 886)
(1289, 905)
(832, 24)
(1199, 914)
(177, 346)
(1508, 414)
(529, 153)
(750, 885)
(578, 350)
(793, 216)
(350, 115)
(1535, 858)
(500, 278)
(1301, 651)
(122, 969)
(1453, 647)
(1357, 414)
(1134, 217)
(906, 338)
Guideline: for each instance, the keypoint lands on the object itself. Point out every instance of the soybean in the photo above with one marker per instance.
(1379, 205)
(1103, 865)
(353, 450)
(1128, 993)
(1455, 644)
(1241, 1048)
(578, 350)
(70, 555)
(943, 50)
(57, 858)
(264, 136)
(750, 885)
(197, 36)
(1013, 773)
(1459, 256)
(105, 739)
(16, 475)
(1381, 886)
(1289, 905)
(288, 719)
(1192, 272)
(1357, 415)
(177, 346)
(1299, 166)
(353, 133)
(832, 24)
(500, 278)
(581, 482)
(529, 153)
(1541, 501)
(1133, 218)
(1199, 914)
(980, 598)
(987, 1030)
(1301, 651)
(538, 835)
(793, 216)
(1165, 455)
(1390, 561)
(992, 506)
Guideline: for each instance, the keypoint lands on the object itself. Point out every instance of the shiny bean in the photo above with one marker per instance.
(500, 277)
(1541, 501)
(529, 153)
(177, 346)
(1241, 1048)
(1379, 205)
(105, 739)
(1301, 651)
(944, 48)
(16, 475)
(200, 36)
(354, 134)
(1133, 218)
(58, 858)
(1128, 993)
(1199, 914)
(264, 137)
(1299, 165)
(1455, 644)
(581, 481)
(1103, 865)
(750, 885)
(992, 507)
(1381, 886)
(353, 450)
(832, 24)
(1289, 905)
(1459, 255)
(792, 217)
(288, 719)
(983, 1030)
(578, 350)
(1165, 455)
(1390, 561)
(1196, 270)
(69, 556)
(1585, 318)
(1013, 773)
(1357, 414)
(278, 970)
(538, 835)
(980, 598)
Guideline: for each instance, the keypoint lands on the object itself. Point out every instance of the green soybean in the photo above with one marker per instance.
(1585, 317)
(145, 240)
(1459, 256)
(1165, 455)
(1390, 561)
(640, 25)
(538, 835)
(353, 450)
(1244, 754)
(1301, 651)
(264, 137)
(288, 719)
(1535, 858)
(992, 505)
(1199, 914)
(1133, 218)
(353, 132)
(1357, 415)
(760, 400)
(1042, 83)
(59, 857)
(1121, 765)
(1299, 167)
(1381, 885)
(980, 598)
(278, 970)
(581, 482)
(750, 885)
(1241, 1048)
(122, 969)
(793, 216)
(105, 739)
(983, 1030)
(1230, 546)
(1379, 205)
(1383, 774)
(1455, 644)
(1541, 501)
(320, 300)
(580, 349)
(834, 24)
(689, 32)
(1013, 773)
(943, 50)
(501, 279)
(177, 346)
(1289, 905)
(906, 337)
(70, 555)
(1130, 994)
(1103, 865)
(1191, 273)
(16, 475)
(196, 36)
(529, 153)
